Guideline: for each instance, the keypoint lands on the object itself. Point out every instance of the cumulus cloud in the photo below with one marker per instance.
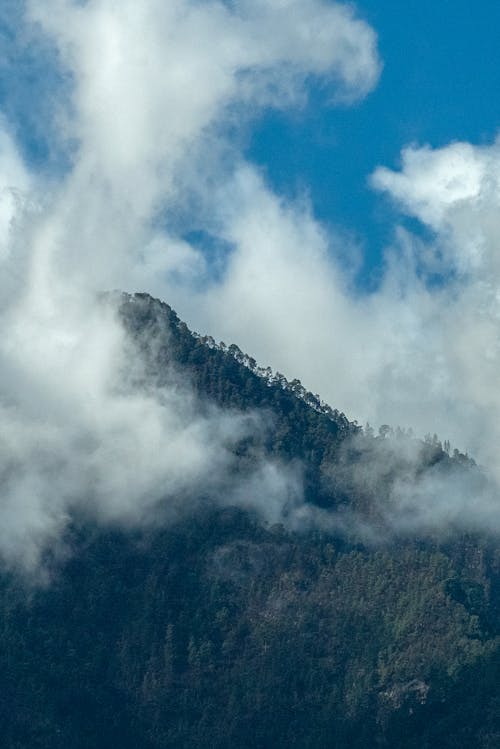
(144, 115)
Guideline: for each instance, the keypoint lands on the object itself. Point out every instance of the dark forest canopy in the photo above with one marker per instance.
(222, 631)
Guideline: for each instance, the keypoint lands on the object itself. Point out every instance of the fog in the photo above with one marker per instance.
(144, 113)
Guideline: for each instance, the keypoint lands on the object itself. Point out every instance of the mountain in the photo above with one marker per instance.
(221, 629)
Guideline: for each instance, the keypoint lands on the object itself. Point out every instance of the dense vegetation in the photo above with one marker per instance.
(223, 632)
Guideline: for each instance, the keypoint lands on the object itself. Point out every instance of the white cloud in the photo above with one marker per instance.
(411, 353)
(158, 91)
(149, 89)
(431, 182)
(15, 182)
(455, 191)
(155, 85)
(151, 77)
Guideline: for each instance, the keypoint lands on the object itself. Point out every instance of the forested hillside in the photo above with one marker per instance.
(221, 630)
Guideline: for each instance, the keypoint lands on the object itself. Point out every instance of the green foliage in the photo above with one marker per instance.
(220, 632)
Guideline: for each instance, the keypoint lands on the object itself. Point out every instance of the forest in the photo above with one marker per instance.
(222, 630)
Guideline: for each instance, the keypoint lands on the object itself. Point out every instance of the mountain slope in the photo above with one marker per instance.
(222, 631)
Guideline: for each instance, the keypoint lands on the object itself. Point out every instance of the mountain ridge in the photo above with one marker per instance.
(304, 427)
(217, 629)
(270, 377)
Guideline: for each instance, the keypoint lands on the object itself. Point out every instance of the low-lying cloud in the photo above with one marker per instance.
(400, 486)
(87, 429)
(135, 124)
(145, 127)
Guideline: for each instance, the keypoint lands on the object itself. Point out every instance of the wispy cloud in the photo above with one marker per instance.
(148, 113)
(146, 101)
(421, 350)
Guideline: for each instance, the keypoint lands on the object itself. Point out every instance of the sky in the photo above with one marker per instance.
(439, 84)
(315, 181)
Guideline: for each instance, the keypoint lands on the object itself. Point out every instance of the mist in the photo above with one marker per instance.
(139, 91)
(406, 487)
(145, 114)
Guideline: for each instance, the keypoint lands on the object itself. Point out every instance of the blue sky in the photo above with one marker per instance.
(440, 83)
